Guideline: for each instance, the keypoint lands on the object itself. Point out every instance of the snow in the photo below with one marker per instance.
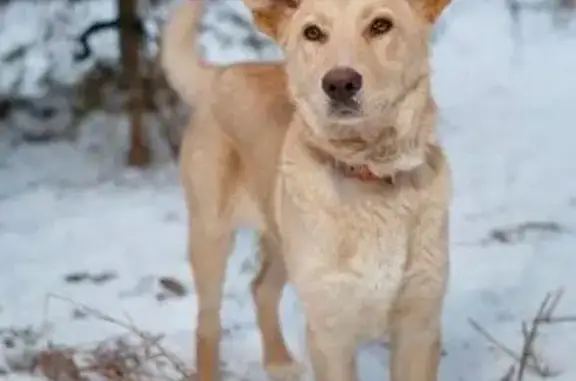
(507, 122)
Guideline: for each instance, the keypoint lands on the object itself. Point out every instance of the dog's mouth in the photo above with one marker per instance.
(344, 110)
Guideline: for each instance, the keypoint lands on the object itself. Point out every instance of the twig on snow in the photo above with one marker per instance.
(149, 340)
(527, 360)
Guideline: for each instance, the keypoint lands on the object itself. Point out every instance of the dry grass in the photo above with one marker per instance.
(133, 356)
(526, 359)
(140, 356)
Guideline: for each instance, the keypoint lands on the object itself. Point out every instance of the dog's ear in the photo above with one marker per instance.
(431, 9)
(269, 14)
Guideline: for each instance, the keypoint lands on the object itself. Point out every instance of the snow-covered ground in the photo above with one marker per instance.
(507, 114)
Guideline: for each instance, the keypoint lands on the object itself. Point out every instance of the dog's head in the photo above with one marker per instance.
(349, 61)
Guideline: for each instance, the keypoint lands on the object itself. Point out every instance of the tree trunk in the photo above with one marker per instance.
(130, 40)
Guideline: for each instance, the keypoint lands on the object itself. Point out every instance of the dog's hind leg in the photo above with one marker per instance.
(267, 289)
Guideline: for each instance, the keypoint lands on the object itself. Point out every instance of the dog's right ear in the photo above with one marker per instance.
(270, 14)
(430, 9)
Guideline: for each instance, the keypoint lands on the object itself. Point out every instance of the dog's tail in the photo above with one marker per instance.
(185, 70)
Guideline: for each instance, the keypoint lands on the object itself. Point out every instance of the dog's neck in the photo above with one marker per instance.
(399, 145)
(360, 172)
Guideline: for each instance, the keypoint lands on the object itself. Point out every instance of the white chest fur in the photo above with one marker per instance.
(345, 247)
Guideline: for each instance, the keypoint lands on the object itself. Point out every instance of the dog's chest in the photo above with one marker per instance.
(345, 255)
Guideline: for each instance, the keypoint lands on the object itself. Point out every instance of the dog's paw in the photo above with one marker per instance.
(292, 371)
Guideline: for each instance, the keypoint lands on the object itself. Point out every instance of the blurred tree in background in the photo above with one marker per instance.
(130, 34)
(66, 63)
(56, 79)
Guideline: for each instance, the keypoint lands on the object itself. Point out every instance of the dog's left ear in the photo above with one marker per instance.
(431, 9)
(270, 14)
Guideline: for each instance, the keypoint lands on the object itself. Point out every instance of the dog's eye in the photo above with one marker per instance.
(379, 27)
(313, 33)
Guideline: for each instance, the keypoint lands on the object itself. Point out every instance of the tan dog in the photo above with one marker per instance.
(348, 187)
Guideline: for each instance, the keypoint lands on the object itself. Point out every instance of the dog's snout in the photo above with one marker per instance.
(341, 83)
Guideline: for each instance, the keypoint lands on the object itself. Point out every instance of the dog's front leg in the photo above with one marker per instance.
(416, 316)
(333, 359)
(208, 254)
(415, 346)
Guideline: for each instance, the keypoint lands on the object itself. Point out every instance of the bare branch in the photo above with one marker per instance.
(528, 360)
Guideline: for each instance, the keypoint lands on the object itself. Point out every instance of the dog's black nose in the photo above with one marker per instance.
(341, 83)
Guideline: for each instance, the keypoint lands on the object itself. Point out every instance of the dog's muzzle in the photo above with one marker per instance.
(341, 85)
